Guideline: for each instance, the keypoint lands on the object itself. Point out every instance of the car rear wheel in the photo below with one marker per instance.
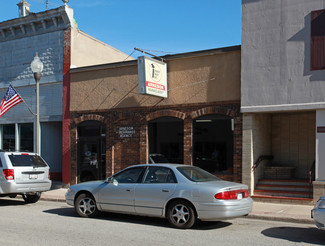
(32, 198)
(181, 214)
(85, 206)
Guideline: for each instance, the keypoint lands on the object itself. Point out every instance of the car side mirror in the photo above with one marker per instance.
(111, 180)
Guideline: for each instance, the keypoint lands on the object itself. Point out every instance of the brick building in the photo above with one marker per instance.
(199, 123)
(60, 45)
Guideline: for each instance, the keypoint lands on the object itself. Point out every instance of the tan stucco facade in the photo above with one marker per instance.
(87, 50)
(199, 78)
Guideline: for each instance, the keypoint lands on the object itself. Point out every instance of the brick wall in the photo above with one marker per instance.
(124, 151)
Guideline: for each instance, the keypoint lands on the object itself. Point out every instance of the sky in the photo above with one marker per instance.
(160, 27)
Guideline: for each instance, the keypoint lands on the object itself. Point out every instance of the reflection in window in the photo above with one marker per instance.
(131, 175)
(26, 137)
(8, 137)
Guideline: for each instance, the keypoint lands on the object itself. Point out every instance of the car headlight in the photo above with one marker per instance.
(69, 190)
(320, 204)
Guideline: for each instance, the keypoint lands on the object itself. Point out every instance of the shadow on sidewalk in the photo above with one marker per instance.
(310, 235)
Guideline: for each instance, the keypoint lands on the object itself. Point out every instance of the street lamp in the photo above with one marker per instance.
(37, 68)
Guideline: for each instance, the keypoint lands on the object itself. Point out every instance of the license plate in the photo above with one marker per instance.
(33, 176)
(240, 196)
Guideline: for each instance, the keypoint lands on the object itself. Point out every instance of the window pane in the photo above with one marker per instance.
(159, 175)
(27, 161)
(8, 138)
(26, 137)
(129, 176)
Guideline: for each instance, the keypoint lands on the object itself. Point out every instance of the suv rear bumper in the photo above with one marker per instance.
(14, 188)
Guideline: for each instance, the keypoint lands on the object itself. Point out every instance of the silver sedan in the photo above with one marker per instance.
(318, 213)
(180, 193)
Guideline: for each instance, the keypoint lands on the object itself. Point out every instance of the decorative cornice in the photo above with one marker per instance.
(37, 23)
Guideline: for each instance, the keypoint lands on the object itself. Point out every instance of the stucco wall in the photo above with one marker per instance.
(276, 56)
(86, 51)
(199, 79)
(320, 146)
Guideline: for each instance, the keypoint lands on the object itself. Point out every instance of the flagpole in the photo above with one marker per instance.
(30, 110)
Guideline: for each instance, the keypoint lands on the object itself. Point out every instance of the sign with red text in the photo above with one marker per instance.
(152, 77)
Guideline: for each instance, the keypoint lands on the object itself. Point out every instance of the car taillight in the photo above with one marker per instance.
(49, 174)
(231, 195)
(9, 174)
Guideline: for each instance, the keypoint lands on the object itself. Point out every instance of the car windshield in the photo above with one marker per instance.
(197, 174)
(27, 161)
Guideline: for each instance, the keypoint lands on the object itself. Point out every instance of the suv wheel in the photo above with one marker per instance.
(28, 198)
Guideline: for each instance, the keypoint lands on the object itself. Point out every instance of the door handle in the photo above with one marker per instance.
(128, 189)
(165, 190)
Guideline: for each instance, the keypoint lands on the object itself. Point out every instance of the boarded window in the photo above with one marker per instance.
(317, 50)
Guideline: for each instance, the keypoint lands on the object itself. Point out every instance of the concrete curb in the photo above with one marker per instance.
(282, 219)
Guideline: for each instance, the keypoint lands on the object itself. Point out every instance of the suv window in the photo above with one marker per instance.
(27, 161)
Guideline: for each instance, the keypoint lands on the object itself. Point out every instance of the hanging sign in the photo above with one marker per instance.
(152, 77)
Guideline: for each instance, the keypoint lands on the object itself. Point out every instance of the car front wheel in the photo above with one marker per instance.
(181, 214)
(85, 206)
(32, 198)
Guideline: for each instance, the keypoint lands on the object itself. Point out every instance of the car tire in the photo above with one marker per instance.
(32, 198)
(181, 214)
(85, 206)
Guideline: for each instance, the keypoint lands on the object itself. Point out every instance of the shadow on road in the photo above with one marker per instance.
(11, 202)
(126, 218)
(310, 235)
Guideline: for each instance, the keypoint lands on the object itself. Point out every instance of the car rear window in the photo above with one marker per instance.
(27, 161)
(196, 174)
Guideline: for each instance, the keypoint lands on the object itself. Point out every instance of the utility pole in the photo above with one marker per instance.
(47, 4)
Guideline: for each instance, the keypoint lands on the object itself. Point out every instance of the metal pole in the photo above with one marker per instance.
(37, 77)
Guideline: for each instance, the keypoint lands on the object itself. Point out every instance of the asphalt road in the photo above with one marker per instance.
(55, 223)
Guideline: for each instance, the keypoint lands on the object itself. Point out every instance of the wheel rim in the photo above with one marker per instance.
(87, 206)
(180, 214)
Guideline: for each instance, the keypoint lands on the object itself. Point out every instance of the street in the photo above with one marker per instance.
(55, 223)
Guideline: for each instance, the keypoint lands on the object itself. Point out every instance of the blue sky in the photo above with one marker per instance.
(172, 26)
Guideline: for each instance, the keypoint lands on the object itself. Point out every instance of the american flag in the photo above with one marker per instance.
(12, 98)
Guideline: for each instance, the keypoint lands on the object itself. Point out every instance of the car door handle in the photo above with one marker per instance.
(165, 190)
(128, 189)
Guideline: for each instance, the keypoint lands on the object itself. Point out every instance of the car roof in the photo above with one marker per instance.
(161, 164)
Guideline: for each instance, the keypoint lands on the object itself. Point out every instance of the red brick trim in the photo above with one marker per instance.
(87, 117)
(165, 113)
(66, 117)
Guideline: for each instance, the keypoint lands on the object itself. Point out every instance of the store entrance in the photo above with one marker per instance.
(166, 137)
(91, 151)
(213, 142)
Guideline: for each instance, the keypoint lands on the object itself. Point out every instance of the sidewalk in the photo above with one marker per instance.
(261, 210)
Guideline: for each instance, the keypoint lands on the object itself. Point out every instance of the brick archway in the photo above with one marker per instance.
(165, 113)
(87, 117)
(214, 110)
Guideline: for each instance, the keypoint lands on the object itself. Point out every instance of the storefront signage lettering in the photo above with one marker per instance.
(152, 76)
(126, 131)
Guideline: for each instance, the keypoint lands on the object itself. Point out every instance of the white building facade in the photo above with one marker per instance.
(283, 94)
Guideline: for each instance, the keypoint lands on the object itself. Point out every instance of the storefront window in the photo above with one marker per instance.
(91, 151)
(26, 137)
(166, 137)
(213, 143)
(8, 137)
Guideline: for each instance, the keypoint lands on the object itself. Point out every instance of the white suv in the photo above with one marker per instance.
(25, 174)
